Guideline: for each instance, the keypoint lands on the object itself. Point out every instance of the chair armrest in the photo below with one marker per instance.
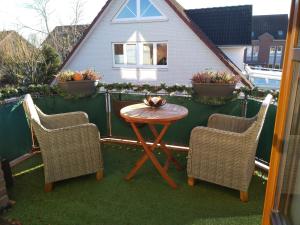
(70, 139)
(69, 152)
(210, 141)
(207, 135)
(62, 120)
(230, 123)
(221, 157)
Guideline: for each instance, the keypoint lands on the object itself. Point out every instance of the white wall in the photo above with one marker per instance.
(187, 54)
(236, 54)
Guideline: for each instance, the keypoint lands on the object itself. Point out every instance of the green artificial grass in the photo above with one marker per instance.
(146, 200)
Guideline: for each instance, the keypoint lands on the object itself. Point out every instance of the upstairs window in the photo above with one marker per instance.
(140, 55)
(275, 56)
(139, 10)
(252, 53)
(129, 11)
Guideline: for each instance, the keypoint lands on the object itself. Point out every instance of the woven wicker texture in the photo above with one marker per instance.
(224, 152)
(69, 144)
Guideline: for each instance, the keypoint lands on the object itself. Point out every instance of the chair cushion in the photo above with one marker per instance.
(30, 108)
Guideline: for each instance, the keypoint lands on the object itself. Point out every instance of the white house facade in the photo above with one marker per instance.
(147, 41)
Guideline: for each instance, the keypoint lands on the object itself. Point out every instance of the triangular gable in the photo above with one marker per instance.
(180, 12)
(138, 10)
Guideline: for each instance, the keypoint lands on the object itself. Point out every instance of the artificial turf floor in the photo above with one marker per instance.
(146, 200)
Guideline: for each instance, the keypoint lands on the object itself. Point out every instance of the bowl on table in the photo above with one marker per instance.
(155, 102)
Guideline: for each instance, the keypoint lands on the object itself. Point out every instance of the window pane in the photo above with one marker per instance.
(119, 54)
(274, 84)
(131, 54)
(129, 11)
(272, 55)
(162, 54)
(259, 81)
(255, 53)
(278, 56)
(148, 54)
(289, 179)
(249, 53)
(148, 10)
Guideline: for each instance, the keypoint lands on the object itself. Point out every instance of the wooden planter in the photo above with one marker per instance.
(81, 88)
(213, 89)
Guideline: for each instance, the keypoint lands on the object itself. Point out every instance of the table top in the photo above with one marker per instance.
(141, 113)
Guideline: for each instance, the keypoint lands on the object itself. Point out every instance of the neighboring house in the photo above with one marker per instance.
(268, 41)
(155, 41)
(64, 38)
(13, 44)
(13, 48)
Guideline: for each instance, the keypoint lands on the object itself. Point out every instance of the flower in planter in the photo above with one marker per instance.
(215, 77)
(65, 76)
(90, 75)
(68, 75)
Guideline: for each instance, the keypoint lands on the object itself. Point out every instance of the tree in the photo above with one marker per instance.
(24, 65)
(62, 38)
(49, 65)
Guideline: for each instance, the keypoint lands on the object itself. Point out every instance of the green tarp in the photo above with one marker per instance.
(15, 138)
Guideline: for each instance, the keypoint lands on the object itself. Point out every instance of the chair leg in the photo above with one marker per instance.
(244, 196)
(48, 187)
(99, 175)
(191, 181)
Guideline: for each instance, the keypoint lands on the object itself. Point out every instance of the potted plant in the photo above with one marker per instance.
(214, 84)
(78, 83)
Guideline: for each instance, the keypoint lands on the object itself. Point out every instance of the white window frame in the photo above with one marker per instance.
(125, 54)
(138, 18)
(140, 55)
(255, 56)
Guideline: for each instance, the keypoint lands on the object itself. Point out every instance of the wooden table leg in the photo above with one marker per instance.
(149, 154)
(165, 149)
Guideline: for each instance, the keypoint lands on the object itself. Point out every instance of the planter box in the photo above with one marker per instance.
(213, 89)
(82, 87)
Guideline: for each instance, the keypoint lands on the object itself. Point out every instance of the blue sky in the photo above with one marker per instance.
(15, 15)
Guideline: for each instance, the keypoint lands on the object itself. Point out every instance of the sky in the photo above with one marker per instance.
(16, 15)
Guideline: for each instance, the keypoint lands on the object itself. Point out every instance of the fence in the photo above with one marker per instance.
(15, 139)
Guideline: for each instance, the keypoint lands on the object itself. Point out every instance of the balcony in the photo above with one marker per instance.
(146, 199)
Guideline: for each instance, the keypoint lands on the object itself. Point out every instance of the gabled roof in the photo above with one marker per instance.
(224, 25)
(276, 25)
(64, 38)
(12, 43)
(4, 35)
(180, 11)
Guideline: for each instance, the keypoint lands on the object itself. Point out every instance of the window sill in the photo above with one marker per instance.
(139, 21)
(140, 68)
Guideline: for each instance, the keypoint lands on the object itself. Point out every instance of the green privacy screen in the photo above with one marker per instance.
(15, 139)
(179, 132)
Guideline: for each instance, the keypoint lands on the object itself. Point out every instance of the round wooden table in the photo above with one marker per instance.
(165, 115)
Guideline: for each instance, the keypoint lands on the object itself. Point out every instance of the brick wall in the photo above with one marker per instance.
(265, 42)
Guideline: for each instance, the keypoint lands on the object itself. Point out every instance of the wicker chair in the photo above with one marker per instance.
(224, 152)
(69, 144)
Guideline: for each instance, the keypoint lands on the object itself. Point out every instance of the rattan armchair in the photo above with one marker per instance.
(69, 144)
(224, 152)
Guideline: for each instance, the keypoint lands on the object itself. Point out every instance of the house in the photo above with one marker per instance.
(13, 48)
(64, 38)
(268, 41)
(13, 44)
(154, 41)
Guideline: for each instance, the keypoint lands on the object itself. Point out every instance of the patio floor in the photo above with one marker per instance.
(145, 200)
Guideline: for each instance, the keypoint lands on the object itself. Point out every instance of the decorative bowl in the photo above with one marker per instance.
(155, 101)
